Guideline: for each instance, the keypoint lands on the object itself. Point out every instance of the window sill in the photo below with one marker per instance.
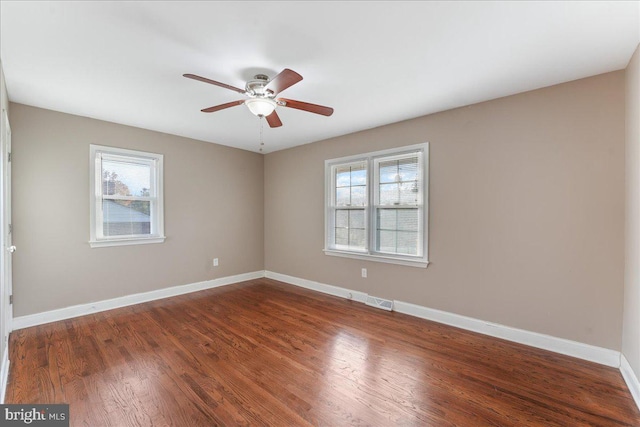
(126, 241)
(420, 263)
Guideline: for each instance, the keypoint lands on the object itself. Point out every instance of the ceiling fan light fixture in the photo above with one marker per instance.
(262, 93)
(261, 107)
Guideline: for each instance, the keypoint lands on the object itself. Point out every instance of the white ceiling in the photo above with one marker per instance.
(374, 62)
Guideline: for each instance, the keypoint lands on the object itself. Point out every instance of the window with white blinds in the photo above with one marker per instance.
(376, 206)
(126, 197)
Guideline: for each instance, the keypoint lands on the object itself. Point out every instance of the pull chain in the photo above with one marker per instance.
(261, 136)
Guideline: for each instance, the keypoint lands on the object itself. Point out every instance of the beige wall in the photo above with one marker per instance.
(526, 211)
(213, 208)
(631, 321)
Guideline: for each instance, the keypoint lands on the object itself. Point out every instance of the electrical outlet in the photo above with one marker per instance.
(364, 273)
(215, 262)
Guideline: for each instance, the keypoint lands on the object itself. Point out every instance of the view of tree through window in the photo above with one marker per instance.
(111, 186)
(126, 192)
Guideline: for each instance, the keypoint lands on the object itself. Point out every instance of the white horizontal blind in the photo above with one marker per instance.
(398, 205)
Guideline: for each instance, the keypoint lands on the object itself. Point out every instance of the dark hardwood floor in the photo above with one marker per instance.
(266, 353)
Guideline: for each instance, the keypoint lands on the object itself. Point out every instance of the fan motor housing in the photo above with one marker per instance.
(256, 87)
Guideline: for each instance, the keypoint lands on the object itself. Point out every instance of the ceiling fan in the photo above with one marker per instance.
(262, 94)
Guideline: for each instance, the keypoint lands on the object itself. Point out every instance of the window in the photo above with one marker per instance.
(126, 197)
(376, 206)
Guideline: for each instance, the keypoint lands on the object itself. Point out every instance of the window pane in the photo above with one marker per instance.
(399, 183)
(407, 219)
(408, 169)
(358, 175)
(388, 171)
(407, 242)
(356, 238)
(389, 194)
(351, 184)
(358, 196)
(350, 228)
(386, 241)
(409, 193)
(342, 218)
(343, 176)
(398, 242)
(397, 231)
(342, 236)
(387, 219)
(125, 179)
(124, 217)
(356, 218)
(398, 219)
(342, 196)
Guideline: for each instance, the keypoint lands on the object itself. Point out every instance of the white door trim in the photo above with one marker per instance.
(6, 309)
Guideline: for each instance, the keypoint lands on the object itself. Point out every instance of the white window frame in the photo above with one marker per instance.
(156, 199)
(369, 253)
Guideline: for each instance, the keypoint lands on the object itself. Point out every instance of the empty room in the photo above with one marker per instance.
(373, 213)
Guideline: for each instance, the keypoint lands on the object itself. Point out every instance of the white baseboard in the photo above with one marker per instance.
(4, 376)
(631, 378)
(316, 286)
(588, 352)
(95, 307)
(580, 350)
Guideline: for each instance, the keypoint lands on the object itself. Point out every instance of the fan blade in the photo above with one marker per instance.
(213, 82)
(274, 120)
(222, 106)
(305, 106)
(282, 81)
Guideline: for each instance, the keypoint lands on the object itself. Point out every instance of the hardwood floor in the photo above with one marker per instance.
(265, 353)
